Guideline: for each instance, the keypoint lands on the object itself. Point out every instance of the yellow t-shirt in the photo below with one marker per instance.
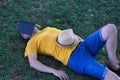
(44, 42)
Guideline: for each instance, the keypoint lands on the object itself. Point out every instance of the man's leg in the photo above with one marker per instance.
(109, 34)
(111, 76)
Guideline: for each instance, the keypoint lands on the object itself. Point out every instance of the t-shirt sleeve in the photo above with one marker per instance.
(30, 48)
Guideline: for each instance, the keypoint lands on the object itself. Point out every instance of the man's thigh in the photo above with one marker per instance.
(94, 42)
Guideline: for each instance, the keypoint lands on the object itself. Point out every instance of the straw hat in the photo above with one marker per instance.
(66, 38)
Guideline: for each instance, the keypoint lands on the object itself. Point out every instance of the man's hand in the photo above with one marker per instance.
(61, 74)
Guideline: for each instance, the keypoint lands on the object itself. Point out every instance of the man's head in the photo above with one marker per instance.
(25, 36)
(26, 29)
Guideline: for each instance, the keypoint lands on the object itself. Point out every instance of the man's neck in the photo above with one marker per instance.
(35, 31)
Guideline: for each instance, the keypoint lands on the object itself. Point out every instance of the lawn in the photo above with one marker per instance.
(83, 16)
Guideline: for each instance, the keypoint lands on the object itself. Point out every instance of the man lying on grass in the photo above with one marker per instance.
(71, 50)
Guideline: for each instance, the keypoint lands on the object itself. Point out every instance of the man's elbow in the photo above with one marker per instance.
(31, 65)
(32, 60)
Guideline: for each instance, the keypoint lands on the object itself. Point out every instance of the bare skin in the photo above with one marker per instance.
(34, 63)
(109, 34)
(111, 76)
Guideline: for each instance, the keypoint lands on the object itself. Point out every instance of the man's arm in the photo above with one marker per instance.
(34, 63)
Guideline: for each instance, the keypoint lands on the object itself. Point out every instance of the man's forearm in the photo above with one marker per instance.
(41, 67)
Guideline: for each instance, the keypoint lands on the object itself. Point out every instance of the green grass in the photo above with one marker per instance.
(83, 16)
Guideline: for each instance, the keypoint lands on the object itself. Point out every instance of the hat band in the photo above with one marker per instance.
(63, 44)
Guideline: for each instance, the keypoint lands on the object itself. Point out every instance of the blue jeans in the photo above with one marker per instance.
(82, 58)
